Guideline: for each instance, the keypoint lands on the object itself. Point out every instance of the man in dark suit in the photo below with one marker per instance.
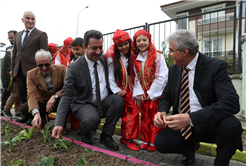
(5, 73)
(203, 106)
(26, 44)
(86, 91)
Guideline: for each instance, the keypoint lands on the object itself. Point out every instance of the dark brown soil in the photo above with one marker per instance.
(30, 150)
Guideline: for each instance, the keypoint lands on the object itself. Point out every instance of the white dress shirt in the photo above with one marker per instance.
(113, 85)
(102, 80)
(194, 102)
(161, 77)
(24, 34)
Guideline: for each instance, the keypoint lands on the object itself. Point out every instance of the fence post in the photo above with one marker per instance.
(146, 27)
(243, 41)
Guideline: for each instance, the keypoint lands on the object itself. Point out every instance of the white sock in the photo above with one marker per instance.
(152, 144)
(145, 143)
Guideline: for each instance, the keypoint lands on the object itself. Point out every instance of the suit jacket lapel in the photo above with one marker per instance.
(54, 77)
(85, 70)
(102, 59)
(29, 38)
(19, 41)
(198, 77)
(41, 80)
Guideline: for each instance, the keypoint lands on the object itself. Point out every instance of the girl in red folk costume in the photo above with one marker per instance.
(62, 57)
(151, 78)
(120, 57)
(52, 50)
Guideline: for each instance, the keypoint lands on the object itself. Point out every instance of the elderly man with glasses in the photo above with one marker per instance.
(44, 84)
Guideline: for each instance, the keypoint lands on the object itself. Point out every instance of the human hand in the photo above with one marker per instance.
(50, 104)
(36, 122)
(56, 132)
(135, 101)
(178, 121)
(159, 119)
(121, 93)
(11, 73)
(142, 97)
(148, 98)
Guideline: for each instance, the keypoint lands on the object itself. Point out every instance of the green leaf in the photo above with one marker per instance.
(41, 163)
(30, 132)
(50, 161)
(5, 142)
(81, 161)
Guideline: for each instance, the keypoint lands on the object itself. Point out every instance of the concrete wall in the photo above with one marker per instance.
(237, 82)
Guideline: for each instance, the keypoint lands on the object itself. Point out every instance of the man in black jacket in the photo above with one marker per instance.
(204, 101)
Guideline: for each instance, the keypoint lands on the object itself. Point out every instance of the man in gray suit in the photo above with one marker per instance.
(26, 44)
(86, 91)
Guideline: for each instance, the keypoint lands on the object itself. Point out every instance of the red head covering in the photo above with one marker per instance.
(142, 32)
(52, 46)
(120, 36)
(64, 53)
(68, 41)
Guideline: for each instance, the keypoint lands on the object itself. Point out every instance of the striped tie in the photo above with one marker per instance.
(185, 102)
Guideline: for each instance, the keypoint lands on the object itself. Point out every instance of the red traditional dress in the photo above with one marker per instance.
(62, 57)
(130, 116)
(151, 78)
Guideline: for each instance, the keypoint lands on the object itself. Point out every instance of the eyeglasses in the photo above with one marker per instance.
(11, 38)
(173, 51)
(46, 65)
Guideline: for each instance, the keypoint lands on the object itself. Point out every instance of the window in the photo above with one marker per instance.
(182, 23)
(213, 47)
(214, 16)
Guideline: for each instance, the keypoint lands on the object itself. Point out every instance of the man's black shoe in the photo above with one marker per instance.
(92, 132)
(17, 116)
(7, 114)
(86, 138)
(189, 155)
(108, 141)
(2, 112)
(29, 122)
(22, 120)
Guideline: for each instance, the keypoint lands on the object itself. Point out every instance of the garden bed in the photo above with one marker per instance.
(28, 151)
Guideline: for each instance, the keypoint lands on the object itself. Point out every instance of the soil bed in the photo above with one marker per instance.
(30, 150)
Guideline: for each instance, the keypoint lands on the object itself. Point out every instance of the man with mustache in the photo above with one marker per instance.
(86, 91)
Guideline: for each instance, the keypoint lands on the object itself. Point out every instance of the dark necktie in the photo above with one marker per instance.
(99, 103)
(25, 38)
(185, 102)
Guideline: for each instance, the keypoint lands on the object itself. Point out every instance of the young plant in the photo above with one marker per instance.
(46, 131)
(10, 143)
(46, 161)
(63, 145)
(82, 161)
(6, 130)
(16, 163)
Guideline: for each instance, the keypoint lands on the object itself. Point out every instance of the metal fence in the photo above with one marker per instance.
(215, 30)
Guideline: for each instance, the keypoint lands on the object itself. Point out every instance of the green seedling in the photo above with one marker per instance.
(82, 161)
(6, 130)
(10, 143)
(15, 130)
(46, 131)
(62, 145)
(16, 163)
(24, 135)
(46, 161)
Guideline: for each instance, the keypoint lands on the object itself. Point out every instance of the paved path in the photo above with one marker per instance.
(152, 157)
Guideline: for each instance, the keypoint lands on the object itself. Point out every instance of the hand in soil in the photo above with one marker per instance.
(56, 132)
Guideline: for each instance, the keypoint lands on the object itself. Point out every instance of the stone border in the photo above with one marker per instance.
(118, 155)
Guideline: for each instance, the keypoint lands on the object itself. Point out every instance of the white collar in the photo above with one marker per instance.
(192, 64)
(90, 63)
(142, 57)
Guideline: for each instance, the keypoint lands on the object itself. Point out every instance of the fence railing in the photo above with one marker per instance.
(216, 35)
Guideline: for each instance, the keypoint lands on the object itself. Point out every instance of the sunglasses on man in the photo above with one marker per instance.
(46, 65)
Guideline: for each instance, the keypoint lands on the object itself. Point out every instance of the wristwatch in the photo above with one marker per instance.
(191, 124)
(56, 96)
